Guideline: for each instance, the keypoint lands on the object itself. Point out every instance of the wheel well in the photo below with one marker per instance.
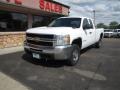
(78, 42)
(101, 35)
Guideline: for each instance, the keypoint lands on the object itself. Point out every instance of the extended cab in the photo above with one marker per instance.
(63, 39)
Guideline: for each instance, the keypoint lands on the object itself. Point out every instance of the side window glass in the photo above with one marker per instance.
(91, 24)
(85, 24)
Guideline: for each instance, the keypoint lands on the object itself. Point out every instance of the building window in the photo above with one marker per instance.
(10, 21)
(39, 21)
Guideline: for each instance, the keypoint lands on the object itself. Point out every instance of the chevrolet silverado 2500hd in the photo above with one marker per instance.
(63, 39)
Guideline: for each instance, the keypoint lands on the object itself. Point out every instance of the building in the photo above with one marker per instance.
(16, 16)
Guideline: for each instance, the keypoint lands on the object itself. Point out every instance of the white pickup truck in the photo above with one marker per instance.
(63, 39)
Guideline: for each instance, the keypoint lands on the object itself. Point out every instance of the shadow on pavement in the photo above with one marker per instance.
(86, 49)
(44, 62)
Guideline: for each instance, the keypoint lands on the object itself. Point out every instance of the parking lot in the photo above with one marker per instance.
(98, 69)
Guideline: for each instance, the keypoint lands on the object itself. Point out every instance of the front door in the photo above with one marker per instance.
(89, 31)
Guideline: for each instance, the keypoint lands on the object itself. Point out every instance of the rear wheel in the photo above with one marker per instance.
(99, 43)
(75, 56)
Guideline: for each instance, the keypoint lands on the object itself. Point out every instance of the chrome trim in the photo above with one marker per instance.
(40, 39)
(58, 52)
(39, 46)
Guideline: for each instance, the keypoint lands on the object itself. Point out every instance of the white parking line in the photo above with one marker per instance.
(7, 83)
(88, 74)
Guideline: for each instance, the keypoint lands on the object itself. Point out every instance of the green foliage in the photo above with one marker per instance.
(118, 27)
(112, 25)
(102, 25)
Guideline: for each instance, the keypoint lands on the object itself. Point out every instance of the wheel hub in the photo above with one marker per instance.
(75, 55)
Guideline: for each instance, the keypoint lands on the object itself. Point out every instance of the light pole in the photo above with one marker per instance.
(94, 12)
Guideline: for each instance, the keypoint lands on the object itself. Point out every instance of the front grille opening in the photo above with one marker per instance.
(42, 43)
(46, 36)
(44, 40)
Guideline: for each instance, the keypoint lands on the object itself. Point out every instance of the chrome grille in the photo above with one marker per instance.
(41, 39)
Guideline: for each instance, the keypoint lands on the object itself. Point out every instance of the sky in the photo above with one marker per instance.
(106, 10)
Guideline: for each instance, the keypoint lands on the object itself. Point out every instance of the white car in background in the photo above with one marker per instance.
(108, 33)
(118, 32)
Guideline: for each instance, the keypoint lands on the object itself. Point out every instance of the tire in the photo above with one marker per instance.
(75, 56)
(99, 43)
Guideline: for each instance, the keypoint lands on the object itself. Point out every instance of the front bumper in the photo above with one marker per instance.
(57, 53)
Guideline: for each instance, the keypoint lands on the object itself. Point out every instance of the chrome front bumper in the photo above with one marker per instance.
(57, 53)
(108, 35)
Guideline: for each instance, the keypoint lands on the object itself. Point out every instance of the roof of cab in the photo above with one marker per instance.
(75, 17)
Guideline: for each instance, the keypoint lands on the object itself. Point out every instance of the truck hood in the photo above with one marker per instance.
(52, 30)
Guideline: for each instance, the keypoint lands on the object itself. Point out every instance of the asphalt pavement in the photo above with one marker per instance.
(98, 69)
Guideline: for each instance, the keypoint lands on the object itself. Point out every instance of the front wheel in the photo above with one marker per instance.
(75, 56)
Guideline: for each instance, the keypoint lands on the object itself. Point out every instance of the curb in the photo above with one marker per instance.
(11, 50)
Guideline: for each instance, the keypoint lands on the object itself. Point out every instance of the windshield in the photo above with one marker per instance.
(66, 22)
(115, 31)
(108, 30)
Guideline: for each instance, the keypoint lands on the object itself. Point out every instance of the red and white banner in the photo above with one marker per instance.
(43, 5)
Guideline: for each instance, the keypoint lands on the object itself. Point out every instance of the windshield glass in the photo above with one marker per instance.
(108, 30)
(66, 22)
(115, 31)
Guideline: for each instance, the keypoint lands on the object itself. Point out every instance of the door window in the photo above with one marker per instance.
(90, 24)
(85, 24)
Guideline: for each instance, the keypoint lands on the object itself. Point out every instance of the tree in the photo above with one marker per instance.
(102, 25)
(113, 25)
(118, 27)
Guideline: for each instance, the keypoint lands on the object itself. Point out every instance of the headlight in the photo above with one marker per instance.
(63, 40)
